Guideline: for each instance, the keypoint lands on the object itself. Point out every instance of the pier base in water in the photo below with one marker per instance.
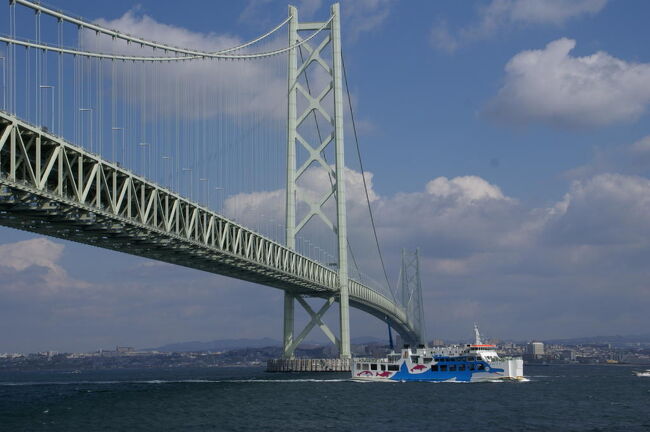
(308, 365)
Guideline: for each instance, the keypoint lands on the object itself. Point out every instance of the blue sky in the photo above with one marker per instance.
(508, 139)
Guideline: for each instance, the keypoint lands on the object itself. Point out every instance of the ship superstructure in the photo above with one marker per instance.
(464, 363)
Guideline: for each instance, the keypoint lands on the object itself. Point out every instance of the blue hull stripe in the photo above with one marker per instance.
(463, 376)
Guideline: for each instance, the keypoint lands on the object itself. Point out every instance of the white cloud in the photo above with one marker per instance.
(256, 12)
(642, 146)
(441, 37)
(135, 304)
(253, 12)
(467, 188)
(362, 16)
(481, 246)
(460, 211)
(308, 8)
(553, 87)
(545, 12)
(134, 23)
(39, 252)
(502, 14)
(604, 210)
(630, 159)
(538, 11)
(21, 263)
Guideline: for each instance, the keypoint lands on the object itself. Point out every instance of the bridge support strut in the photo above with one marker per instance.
(316, 320)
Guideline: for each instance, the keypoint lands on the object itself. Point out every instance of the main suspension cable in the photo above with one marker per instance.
(187, 54)
(363, 176)
(142, 42)
(205, 56)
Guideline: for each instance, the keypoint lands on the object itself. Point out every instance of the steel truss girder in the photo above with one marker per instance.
(52, 187)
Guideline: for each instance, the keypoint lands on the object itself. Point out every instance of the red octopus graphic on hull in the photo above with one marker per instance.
(418, 368)
(384, 374)
(364, 373)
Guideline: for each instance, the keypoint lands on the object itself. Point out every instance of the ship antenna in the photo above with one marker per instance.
(477, 335)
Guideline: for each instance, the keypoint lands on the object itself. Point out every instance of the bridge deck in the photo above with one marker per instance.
(50, 186)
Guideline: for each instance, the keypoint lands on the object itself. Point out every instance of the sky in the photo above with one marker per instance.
(507, 139)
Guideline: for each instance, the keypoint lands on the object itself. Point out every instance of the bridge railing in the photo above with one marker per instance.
(368, 296)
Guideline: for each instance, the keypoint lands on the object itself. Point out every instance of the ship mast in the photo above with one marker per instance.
(477, 335)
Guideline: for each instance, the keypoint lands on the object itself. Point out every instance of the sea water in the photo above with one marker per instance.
(555, 398)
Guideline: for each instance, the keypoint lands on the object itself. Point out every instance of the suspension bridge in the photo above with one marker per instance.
(225, 156)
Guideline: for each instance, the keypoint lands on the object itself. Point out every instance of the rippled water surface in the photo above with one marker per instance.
(557, 398)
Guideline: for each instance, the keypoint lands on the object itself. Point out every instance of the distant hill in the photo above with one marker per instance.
(216, 345)
(364, 340)
(233, 344)
(614, 340)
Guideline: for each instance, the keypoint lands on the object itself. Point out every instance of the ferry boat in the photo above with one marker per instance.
(456, 363)
(645, 373)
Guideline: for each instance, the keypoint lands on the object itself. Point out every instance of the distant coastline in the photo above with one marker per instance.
(614, 350)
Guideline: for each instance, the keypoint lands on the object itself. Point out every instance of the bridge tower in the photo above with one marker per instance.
(410, 291)
(336, 173)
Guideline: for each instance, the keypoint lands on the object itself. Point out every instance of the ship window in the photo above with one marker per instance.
(365, 366)
(472, 367)
(470, 358)
(452, 368)
(383, 367)
(428, 359)
(393, 367)
(481, 367)
(443, 368)
(373, 367)
(461, 367)
(414, 359)
(434, 368)
(358, 365)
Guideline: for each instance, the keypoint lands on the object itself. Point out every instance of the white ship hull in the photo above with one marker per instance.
(471, 363)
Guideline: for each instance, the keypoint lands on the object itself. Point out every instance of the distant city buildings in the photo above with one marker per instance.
(128, 357)
(534, 351)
